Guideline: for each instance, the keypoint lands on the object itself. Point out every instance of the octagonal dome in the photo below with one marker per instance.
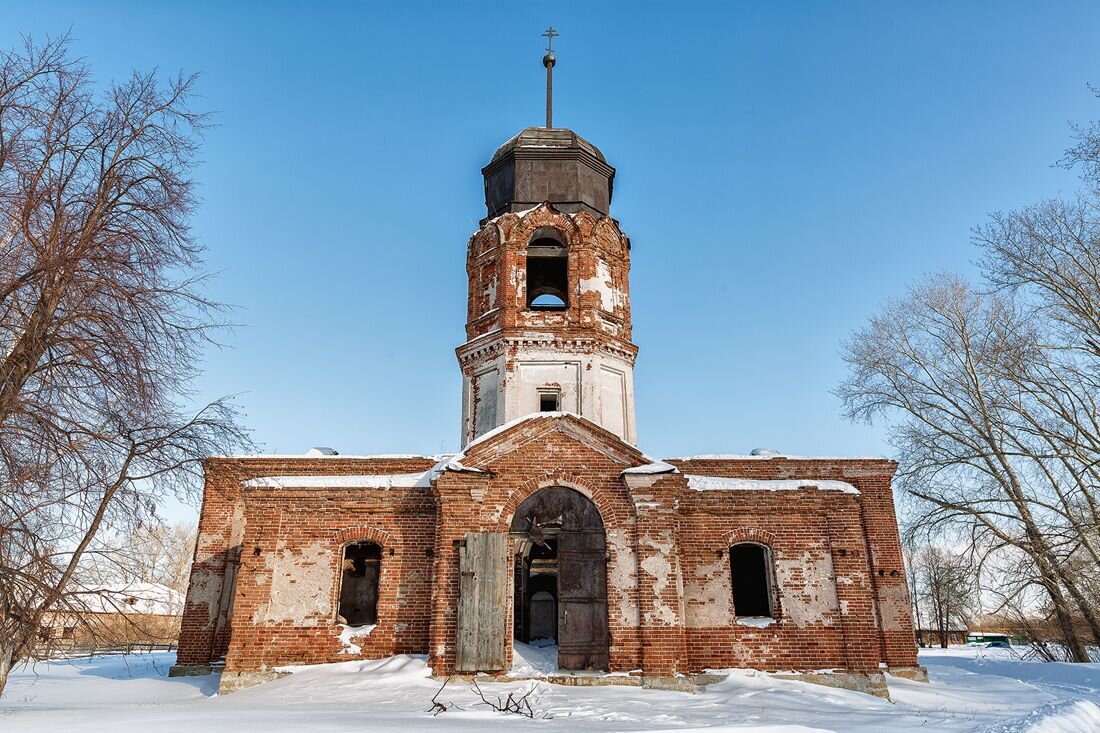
(548, 164)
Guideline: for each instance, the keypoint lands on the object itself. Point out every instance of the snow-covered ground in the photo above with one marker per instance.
(971, 690)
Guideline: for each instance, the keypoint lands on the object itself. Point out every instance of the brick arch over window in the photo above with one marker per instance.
(545, 216)
(611, 508)
(747, 534)
(363, 533)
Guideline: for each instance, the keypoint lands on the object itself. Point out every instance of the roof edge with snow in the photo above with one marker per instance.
(697, 482)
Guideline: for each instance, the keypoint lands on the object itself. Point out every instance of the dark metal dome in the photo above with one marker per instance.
(543, 138)
(548, 164)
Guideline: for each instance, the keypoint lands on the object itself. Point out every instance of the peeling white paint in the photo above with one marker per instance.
(660, 569)
(301, 585)
(623, 577)
(604, 285)
(205, 590)
(894, 607)
(708, 597)
(807, 592)
(491, 291)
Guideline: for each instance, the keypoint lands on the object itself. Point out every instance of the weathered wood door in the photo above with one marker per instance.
(582, 600)
(484, 577)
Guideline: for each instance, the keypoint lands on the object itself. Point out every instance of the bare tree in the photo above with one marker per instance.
(945, 586)
(953, 367)
(102, 320)
(155, 552)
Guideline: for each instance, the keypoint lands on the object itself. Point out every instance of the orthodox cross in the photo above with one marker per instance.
(550, 35)
(548, 61)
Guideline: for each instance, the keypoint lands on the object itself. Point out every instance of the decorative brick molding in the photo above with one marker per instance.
(348, 535)
(747, 534)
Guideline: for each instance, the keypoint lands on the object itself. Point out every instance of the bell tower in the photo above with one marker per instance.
(548, 310)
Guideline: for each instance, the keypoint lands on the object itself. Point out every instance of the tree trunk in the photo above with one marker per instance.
(7, 651)
(1077, 650)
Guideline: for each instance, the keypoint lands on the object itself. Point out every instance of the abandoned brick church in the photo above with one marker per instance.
(550, 526)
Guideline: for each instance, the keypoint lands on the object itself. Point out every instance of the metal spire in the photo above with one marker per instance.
(548, 61)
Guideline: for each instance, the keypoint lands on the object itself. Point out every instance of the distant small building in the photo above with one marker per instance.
(118, 617)
(956, 636)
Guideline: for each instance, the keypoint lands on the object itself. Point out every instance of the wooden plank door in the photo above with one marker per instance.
(482, 602)
(582, 601)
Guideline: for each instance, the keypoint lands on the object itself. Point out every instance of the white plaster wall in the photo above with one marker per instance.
(613, 400)
(487, 400)
(598, 386)
(522, 390)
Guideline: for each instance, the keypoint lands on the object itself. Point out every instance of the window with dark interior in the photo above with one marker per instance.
(549, 401)
(359, 583)
(750, 571)
(547, 273)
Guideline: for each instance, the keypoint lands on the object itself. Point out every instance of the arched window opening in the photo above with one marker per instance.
(359, 583)
(751, 576)
(547, 273)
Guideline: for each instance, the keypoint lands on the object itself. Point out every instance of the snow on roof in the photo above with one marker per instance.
(419, 480)
(722, 483)
(312, 454)
(145, 598)
(768, 457)
(361, 481)
(653, 467)
(521, 213)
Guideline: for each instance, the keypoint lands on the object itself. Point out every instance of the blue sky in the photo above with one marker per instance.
(783, 169)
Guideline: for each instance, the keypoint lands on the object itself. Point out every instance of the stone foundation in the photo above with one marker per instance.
(917, 674)
(234, 681)
(872, 683)
(190, 670)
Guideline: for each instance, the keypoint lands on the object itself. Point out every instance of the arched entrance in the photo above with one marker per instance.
(561, 577)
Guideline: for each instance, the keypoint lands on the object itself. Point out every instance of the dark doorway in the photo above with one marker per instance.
(359, 584)
(561, 577)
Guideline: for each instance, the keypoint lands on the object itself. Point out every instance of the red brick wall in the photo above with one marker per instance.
(821, 523)
(204, 638)
(294, 542)
(840, 603)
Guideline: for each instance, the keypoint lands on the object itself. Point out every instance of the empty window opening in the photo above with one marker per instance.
(359, 584)
(750, 570)
(547, 274)
(549, 401)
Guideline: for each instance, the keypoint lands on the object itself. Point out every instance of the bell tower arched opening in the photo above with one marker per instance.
(560, 593)
(547, 271)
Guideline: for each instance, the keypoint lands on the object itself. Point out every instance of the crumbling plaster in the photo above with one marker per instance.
(301, 585)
